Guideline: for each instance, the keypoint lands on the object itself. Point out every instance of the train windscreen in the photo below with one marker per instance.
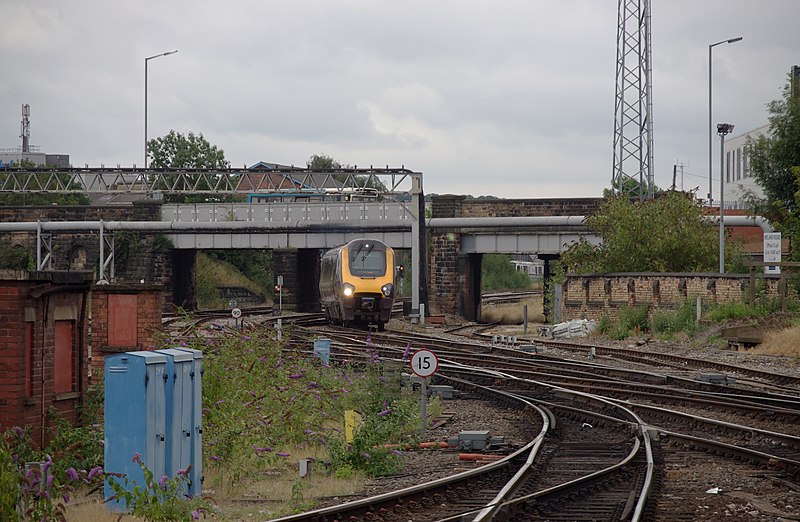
(368, 260)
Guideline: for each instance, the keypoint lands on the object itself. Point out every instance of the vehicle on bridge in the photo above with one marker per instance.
(357, 283)
(314, 195)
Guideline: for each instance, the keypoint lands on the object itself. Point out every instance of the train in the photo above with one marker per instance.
(357, 283)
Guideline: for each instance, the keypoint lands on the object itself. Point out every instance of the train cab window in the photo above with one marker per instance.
(368, 260)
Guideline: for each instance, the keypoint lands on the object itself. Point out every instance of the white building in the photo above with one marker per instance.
(736, 168)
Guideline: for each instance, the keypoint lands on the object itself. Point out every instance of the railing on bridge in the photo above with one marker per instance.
(386, 181)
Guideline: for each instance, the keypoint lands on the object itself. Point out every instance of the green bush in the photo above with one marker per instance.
(498, 273)
(158, 500)
(669, 322)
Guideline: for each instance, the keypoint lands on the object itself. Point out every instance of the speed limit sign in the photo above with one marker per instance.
(424, 363)
(236, 313)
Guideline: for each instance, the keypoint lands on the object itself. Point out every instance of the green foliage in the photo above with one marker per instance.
(15, 257)
(260, 400)
(256, 265)
(9, 482)
(79, 447)
(162, 500)
(193, 151)
(629, 320)
(667, 323)
(497, 273)
(367, 452)
(30, 482)
(775, 164)
(322, 162)
(666, 234)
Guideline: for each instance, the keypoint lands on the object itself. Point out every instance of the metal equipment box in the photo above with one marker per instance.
(196, 458)
(135, 421)
(178, 396)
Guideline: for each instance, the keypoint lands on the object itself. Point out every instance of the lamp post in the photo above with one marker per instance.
(710, 130)
(145, 98)
(722, 130)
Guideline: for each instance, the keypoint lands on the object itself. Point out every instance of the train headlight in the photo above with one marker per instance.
(349, 289)
(387, 289)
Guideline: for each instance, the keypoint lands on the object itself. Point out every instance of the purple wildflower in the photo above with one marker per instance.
(252, 393)
(296, 376)
(19, 432)
(282, 454)
(366, 455)
(137, 457)
(384, 413)
(95, 471)
(184, 344)
(313, 384)
(407, 351)
(66, 498)
(50, 479)
(216, 457)
(72, 474)
(309, 432)
(219, 402)
(245, 338)
(163, 482)
(397, 452)
(196, 514)
(183, 472)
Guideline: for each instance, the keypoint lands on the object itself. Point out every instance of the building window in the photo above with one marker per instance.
(738, 164)
(745, 166)
(728, 167)
(29, 359)
(65, 357)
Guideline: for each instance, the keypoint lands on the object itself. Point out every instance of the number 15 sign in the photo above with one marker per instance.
(424, 363)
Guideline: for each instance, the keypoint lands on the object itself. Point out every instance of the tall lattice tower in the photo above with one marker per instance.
(633, 102)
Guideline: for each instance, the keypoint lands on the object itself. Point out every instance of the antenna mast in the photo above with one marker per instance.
(25, 132)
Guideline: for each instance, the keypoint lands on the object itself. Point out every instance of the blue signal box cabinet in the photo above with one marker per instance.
(135, 416)
(178, 410)
(196, 459)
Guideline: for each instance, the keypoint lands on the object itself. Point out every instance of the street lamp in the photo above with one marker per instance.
(145, 98)
(722, 130)
(710, 130)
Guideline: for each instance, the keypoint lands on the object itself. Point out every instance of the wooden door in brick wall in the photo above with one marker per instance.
(122, 320)
(64, 357)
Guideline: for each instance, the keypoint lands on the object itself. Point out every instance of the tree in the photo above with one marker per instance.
(665, 234)
(775, 164)
(322, 162)
(176, 151)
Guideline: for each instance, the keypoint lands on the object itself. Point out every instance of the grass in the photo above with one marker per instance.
(512, 313)
(781, 342)
(210, 273)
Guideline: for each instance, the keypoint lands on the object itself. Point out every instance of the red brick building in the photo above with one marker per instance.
(46, 359)
(43, 347)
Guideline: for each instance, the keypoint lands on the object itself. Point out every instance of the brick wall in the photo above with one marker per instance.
(446, 281)
(147, 321)
(34, 302)
(592, 296)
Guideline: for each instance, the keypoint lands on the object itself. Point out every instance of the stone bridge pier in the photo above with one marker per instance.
(455, 276)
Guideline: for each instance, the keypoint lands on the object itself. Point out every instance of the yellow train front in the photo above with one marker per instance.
(356, 283)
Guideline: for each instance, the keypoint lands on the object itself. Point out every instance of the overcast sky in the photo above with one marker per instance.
(511, 98)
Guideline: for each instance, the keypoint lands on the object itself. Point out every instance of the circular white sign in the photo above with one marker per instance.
(236, 313)
(232, 303)
(424, 363)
